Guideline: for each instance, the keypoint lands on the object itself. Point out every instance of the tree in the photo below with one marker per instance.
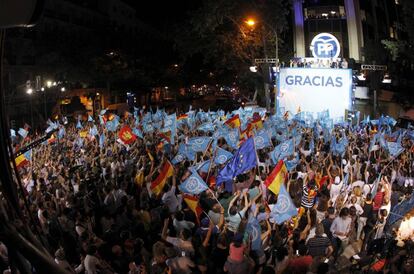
(217, 31)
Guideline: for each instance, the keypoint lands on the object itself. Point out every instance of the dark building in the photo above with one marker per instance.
(53, 50)
(356, 24)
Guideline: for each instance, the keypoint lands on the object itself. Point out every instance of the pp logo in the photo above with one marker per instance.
(222, 159)
(325, 45)
(193, 185)
(284, 147)
(282, 205)
(259, 141)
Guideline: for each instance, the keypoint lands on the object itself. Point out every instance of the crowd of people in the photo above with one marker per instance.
(96, 211)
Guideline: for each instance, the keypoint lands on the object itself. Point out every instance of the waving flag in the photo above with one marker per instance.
(102, 119)
(400, 210)
(394, 148)
(284, 209)
(102, 140)
(203, 167)
(206, 127)
(187, 152)
(111, 126)
(126, 135)
(79, 125)
(192, 203)
(158, 184)
(138, 132)
(232, 138)
(282, 151)
(193, 185)
(262, 140)
(243, 160)
(22, 132)
(277, 177)
(222, 156)
(93, 130)
(291, 164)
(255, 232)
(182, 117)
(233, 122)
(83, 133)
(199, 144)
(178, 159)
(61, 132)
(23, 159)
(90, 119)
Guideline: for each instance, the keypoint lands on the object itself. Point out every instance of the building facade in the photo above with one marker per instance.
(355, 23)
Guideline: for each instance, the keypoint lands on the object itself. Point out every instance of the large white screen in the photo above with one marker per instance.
(315, 90)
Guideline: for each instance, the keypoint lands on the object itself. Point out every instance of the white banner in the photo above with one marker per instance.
(315, 90)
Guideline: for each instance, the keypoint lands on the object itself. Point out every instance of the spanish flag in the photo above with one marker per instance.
(158, 184)
(51, 140)
(126, 135)
(257, 124)
(233, 122)
(277, 177)
(166, 136)
(182, 117)
(23, 159)
(192, 203)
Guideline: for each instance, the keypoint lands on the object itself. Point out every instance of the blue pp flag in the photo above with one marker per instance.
(232, 138)
(222, 156)
(90, 119)
(282, 151)
(243, 160)
(284, 209)
(93, 131)
(78, 125)
(394, 148)
(291, 164)
(199, 144)
(178, 159)
(111, 125)
(101, 140)
(400, 210)
(187, 152)
(22, 132)
(193, 185)
(137, 132)
(262, 140)
(61, 132)
(254, 230)
(206, 127)
(204, 166)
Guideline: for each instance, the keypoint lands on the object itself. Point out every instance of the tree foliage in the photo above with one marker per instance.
(217, 31)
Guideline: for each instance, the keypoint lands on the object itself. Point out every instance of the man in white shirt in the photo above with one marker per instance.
(340, 229)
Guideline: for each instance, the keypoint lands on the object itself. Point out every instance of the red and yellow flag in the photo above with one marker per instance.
(51, 140)
(158, 184)
(83, 134)
(192, 203)
(233, 122)
(257, 123)
(23, 159)
(182, 117)
(166, 136)
(126, 135)
(277, 177)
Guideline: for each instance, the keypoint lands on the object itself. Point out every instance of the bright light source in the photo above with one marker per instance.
(333, 12)
(49, 84)
(253, 69)
(166, 87)
(176, 65)
(97, 94)
(250, 22)
(325, 14)
(361, 77)
(42, 89)
(54, 84)
(62, 89)
(29, 91)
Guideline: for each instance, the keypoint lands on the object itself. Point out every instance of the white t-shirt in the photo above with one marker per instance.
(91, 263)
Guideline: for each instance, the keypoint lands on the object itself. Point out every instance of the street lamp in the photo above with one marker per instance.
(42, 89)
(62, 89)
(250, 22)
(49, 84)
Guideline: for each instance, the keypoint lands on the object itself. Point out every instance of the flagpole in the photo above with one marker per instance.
(257, 158)
(211, 164)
